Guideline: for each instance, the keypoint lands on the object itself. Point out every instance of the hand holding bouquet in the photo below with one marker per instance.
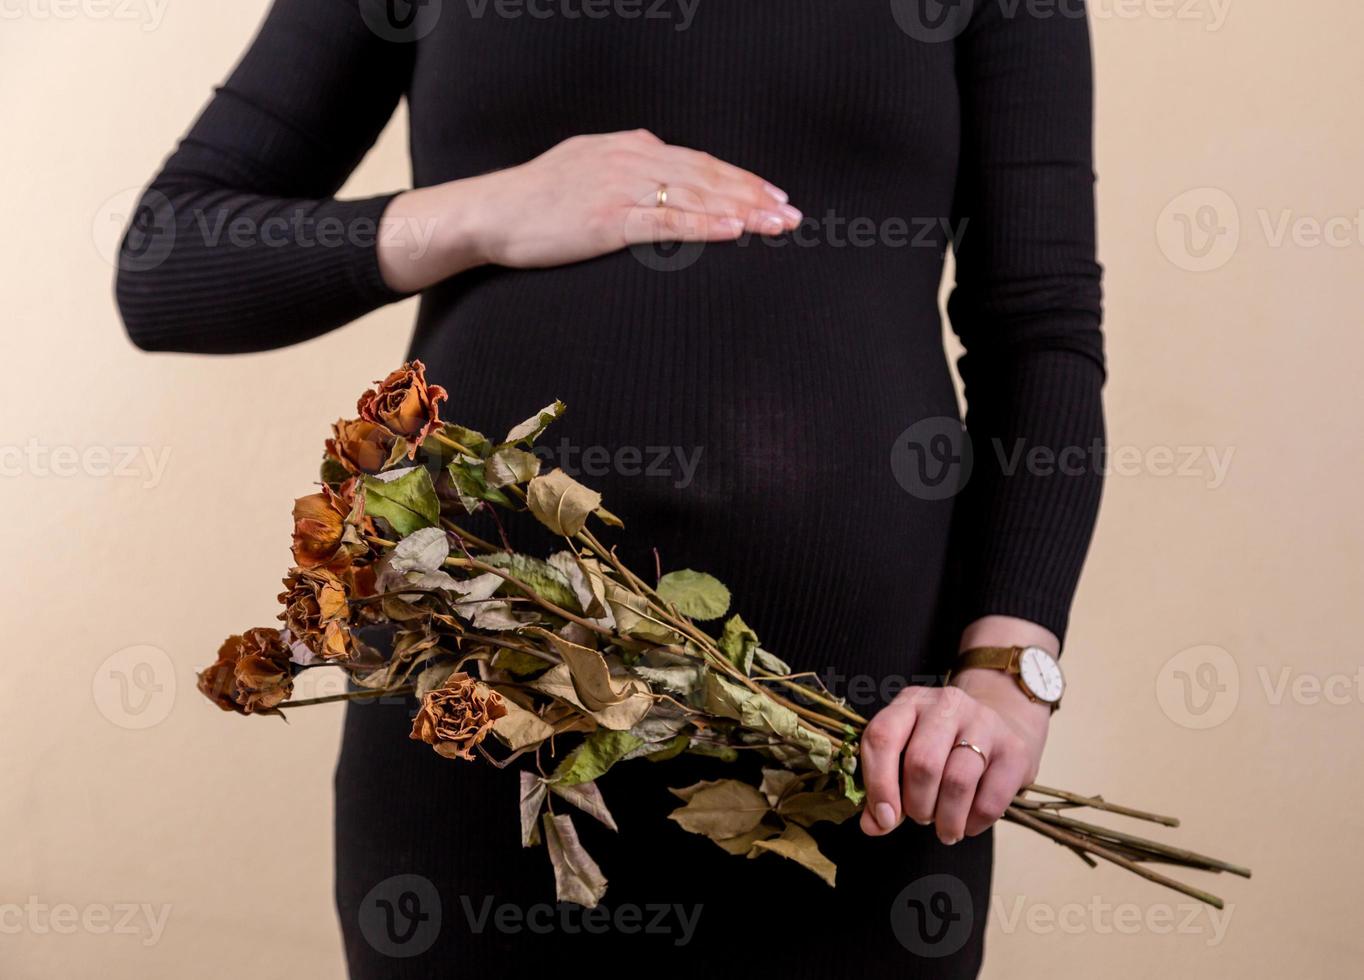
(572, 661)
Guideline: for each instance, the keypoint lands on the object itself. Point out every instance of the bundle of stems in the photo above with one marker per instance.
(576, 645)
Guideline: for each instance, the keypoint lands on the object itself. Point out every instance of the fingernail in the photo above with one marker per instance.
(792, 214)
(771, 222)
(776, 192)
(731, 224)
(885, 816)
(923, 823)
(951, 840)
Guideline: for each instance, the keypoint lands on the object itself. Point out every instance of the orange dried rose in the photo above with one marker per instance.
(404, 404)
(319, 528)
(252, 673)
(317, 612)
(458, 715)
(359, 445)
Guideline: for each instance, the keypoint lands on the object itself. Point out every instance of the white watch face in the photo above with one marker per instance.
(1041, 674)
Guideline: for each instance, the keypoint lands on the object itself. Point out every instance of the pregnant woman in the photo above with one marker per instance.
(605, 210)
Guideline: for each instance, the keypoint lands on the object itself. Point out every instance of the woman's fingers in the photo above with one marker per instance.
(961, 777)
(1005, 776)
(926, 755)
(883, 741)
(670, 224)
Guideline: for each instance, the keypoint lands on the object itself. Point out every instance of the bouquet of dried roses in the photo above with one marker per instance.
(572, 659)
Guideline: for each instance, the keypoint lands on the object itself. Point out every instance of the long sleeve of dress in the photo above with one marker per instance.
(1026, 306)
(239, 244)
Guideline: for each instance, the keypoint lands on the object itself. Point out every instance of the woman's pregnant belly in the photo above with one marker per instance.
(740, 412)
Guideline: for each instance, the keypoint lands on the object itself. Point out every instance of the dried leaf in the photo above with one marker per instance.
(591, 675)
(533, 793)
(405, 498)
(560, 502)
(576, 876)
(529, 430)
(739, 643)
(519, 728)
(720, 809)
(756, 711)
(775, 782)
(598, 752)
(510, 465)
(695, 594)
(542, 577)
(810, 808)
(424, 550)
(587, 798)
(797, 845)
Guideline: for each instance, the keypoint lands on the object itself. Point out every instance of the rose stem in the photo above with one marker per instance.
(1097, 803)
(459, 532)
(1179, 854)
(348, 696)
(1076, 841)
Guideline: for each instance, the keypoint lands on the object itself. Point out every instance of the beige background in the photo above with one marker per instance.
(1251, 105)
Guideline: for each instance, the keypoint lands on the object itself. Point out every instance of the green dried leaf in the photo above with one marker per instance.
(695, 594)
(758, 712)
(471, 483)
(598, 752)
(406, 499)
(475, 442)
(739, 643)
(519, 664)
(546, 580)
(333, 472)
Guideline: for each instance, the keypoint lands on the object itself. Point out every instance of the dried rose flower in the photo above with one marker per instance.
(252, 673)
(320, 529)
(458, 715)
(359, 445)
(404, 404)
(317, 609)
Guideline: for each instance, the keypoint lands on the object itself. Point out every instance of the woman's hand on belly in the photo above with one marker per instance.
(912, 768)
(585, 197)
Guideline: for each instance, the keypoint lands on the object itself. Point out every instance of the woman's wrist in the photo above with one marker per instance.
(431, 233)
(1002, 690)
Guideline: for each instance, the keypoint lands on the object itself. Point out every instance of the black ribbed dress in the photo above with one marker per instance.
(779, 413)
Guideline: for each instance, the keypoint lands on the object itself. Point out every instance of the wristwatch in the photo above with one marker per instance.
(1036, 670)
